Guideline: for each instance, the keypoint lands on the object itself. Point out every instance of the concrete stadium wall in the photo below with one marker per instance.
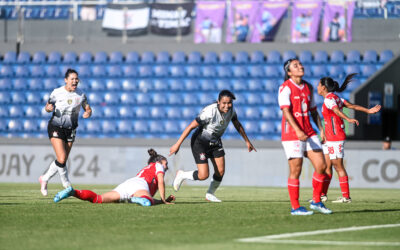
(113, 161)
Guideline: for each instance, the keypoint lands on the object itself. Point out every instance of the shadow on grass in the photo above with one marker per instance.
(367, 211)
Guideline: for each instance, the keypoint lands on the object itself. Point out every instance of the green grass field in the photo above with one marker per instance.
(30, 221)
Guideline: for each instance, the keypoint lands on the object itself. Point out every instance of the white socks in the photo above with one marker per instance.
(50, 172)
(64, 176)
(53, 169)
(188, 175)
(213, 186)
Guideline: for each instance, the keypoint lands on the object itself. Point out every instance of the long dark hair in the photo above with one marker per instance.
(70, 71)
(154, 157)
(227, 93)
(333, 86)
(286, 66)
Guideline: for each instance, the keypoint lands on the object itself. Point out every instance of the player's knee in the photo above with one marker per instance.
(203, 175)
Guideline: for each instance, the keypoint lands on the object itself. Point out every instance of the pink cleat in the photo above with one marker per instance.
(43, 186)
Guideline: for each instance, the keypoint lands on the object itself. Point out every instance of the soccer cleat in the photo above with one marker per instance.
(320, 207)
(342, 200)
(178, 180)
(301, 211)
(212, 198)
(324, 198)
(43, 186)
(141, 201)
(69, 191)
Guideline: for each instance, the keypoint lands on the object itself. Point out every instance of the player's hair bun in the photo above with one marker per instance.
(152, 152)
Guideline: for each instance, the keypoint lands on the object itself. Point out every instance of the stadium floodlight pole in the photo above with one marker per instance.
(124, 31)
(70, 37)
(5, 25)
(20, 30)
(179, 30)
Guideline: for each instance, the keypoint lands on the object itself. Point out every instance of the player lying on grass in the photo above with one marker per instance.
(139, 189)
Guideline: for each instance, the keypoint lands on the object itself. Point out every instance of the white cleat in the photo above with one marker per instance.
(43, 186)
(178, 180)
(342, 200)
(212, 198)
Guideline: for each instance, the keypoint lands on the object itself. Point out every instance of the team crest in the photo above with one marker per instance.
(221, 122)
(202, 156)
(69, 101)
(55, 134)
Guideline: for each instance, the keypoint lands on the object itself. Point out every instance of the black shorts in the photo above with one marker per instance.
(203, 150)
(67, 135)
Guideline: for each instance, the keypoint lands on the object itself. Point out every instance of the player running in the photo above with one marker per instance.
(332, 111)
(206, 142)
(299, 138)
(65, 102)
(139, 189)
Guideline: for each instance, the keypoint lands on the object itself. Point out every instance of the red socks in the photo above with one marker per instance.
(344, 186)
(88, 195)
(317, 183)
(293, 187)
(327, 182)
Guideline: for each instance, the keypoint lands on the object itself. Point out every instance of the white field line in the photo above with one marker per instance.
(273, 238)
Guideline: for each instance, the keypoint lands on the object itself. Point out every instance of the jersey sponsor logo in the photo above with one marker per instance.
(296, 97)
(55, 134)
(202, 156)
(298, 114)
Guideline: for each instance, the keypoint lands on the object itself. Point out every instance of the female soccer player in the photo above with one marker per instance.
(298, 137)
(332, 111)
(206, 142)
(139, 189)
(65, 103)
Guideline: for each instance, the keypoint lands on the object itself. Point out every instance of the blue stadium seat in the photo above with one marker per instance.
(226, 57)
(252, 113)
(32, 98)
(36, 84)
(116, 57)
(194, 57)
(24, 57)
(85, 57)
(145, 71)
(145, 85)
(3, 112)
(171, 126)
(5, 97)
(158, 98)
(99, 71)
(177, 71)
(385, 56)
(18, 97)
(224, 71)
(143, 99)
(54, 57)
(15, 125)
(209, 71)
(352, 68)
(251, 127)
(240, 99)
(31, 111)
(321, 56)
(147, 57)
(240, 71)
(160, 85)
(132, 57)
(156, 127)
(111, 98)
(176, 85)
(268, 113)
(174, 113)
(128, 85)
(161, 71)
(93, 126)
(242, 57)
(274, 57)
(368, 70)
(10, 57)
(193, 71)
(110, 112)
(355, 83)
(84, 71)
(43, 123)
(30, 126)
(114, 71)
(127, 98)
(269, 98)
(48, 83)
(289, 54)
(211, 58)
(16, 111)
(239, 85)
(336, 71)
(189, 112)
(254, 99)
(22, 71)
(256, 71)
(100, 57)
(95, 98)
(6, 84)
(190, 99)
(125, 112)
(142, 112)
(370, 56)
(272, 71)
(222, 84)
(157, 112)
(254, 85)
(266, 127)
(39, 57)
(179, 57)
(97, 111)
(6, 71)
(306, 57)
(163, 57)
(130, 71)
(70, 58)
(257, 57)
(307, 71)
(337, 56)
(97, 84)
(19, 84)
(353, 56)
(53, 71)
(319, 70)
(207, 84)
(125, 126)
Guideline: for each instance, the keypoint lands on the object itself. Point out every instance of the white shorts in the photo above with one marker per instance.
(335, 149)
(131, 186)
(296, 149)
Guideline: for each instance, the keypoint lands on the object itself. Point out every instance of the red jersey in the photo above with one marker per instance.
(149, 174)
(300, 101)
(334, 125)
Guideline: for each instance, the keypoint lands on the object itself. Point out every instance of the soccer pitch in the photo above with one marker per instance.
(30, 221)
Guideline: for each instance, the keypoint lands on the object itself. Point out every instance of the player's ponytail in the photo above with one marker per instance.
(333, 86)
(154, 157)
(346, 81)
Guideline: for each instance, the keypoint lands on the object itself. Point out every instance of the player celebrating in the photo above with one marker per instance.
(206, 142)
(139, 189)
(299, 138)
(65, 103)
(332, 111)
